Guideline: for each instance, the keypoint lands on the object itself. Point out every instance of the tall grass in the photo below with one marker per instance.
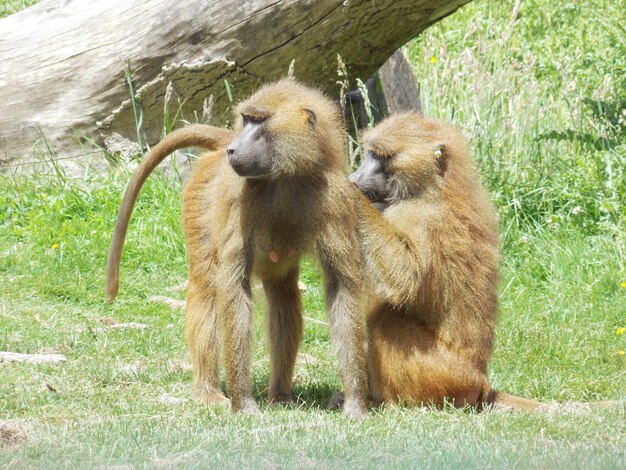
(541, 92)
(8, 7)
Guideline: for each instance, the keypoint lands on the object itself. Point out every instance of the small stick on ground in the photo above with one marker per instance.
(172, 303)
(6, 356)
(112, 324)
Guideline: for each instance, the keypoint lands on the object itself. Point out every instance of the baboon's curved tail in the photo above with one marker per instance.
(511, 401)
(519, 403)
(196, 135)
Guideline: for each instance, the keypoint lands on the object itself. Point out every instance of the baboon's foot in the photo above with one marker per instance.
(277, 399)
(216, 398)
(336, 401)
(246, 406)
(355, 409)
(212, 397)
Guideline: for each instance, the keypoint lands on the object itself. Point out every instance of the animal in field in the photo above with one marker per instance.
(271, 190)
(431, 258)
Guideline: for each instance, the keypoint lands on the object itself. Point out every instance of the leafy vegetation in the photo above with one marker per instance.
(8, 7)
(540, 89)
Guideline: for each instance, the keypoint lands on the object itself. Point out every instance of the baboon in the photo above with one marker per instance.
(282, 191)
(432, 261)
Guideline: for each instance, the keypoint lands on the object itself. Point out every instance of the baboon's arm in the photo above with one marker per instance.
(395, 261)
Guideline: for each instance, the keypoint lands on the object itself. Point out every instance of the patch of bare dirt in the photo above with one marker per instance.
(12, 434)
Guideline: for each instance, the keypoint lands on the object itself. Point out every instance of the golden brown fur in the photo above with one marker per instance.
(432, 260)
(236, 227)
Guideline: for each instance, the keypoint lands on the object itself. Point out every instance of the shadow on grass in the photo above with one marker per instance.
(309, 396)
(609, 113)
(585, 138)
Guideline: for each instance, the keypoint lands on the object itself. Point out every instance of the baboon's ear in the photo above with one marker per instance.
(441, 158)
(309, 116)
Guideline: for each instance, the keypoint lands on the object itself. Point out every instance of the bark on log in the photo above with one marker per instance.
(398, 85)
(62, 61)
(392, 90)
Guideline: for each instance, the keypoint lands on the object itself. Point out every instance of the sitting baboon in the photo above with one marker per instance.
(282, 191)
(432, 262)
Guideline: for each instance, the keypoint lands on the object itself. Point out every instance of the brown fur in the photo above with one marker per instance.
(238, 227)
(432, 258)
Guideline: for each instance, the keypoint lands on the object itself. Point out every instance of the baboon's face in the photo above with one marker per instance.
(281, 131)
(403, 159)
(250, 153)
(372, 177)
(283, 142)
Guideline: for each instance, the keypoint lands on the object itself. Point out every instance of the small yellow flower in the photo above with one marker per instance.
(620, 331)
(621, 352)
(433, 60)
(55, 246)
(623, 284)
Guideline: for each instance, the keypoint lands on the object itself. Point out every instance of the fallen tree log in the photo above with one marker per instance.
(67, 67)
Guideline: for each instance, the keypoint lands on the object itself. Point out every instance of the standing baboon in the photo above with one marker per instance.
(432, 259)
(281, 192)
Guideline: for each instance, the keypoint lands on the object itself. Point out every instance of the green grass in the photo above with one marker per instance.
(8, 7)
(542, 94)
(547, 128)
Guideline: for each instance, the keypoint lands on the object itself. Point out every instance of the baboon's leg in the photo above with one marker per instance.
(348, 341)
(347, 332)
(202, 336)
(339, 254)
(235, 310)
(408, 363)
(285, 333)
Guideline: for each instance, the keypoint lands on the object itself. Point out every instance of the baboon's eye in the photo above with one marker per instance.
(380, 154)
(254, 118)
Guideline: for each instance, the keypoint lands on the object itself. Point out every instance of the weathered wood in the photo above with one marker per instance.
(399, 86)
(392, 89)
(62, 61)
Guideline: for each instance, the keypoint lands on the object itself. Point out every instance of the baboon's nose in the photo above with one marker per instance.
(230, 151)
